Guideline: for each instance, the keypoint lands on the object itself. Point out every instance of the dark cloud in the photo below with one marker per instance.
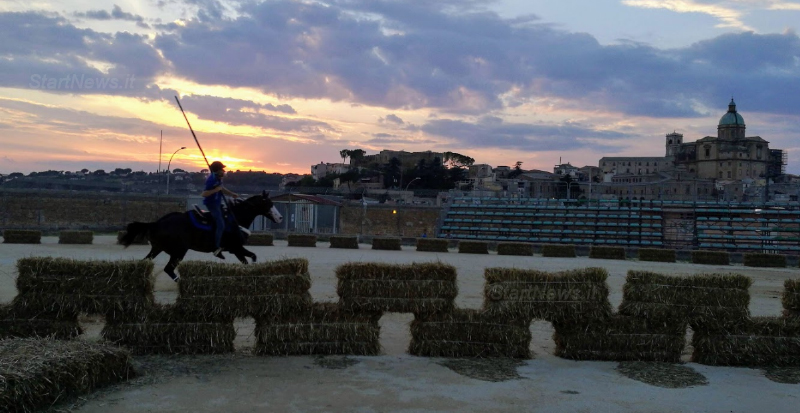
(116, 14)
(47, 52)
(389, 140)
(461, 60)
(391, 118)
(492, 132)
(244, 112)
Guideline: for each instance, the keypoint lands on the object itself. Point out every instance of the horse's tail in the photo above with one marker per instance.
(136, 231)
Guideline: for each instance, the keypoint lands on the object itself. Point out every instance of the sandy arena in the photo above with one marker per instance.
(396, 381)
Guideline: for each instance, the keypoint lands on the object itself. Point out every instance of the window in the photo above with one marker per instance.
(708, 152)
(758, 152)
(640, 171)
(720, 174)
(729, 174)
(729, 163)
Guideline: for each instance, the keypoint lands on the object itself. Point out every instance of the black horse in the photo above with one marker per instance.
(175, 233)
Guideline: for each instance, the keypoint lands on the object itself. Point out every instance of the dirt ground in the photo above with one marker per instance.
(396, 381)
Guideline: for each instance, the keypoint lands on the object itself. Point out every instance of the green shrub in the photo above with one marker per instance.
(764, 260)
(387, 243)
(515, 248)
(473, 247)
(432, 245)
(21, 236)
(302, 240)
(608, 253)
(658, 255)
(261, 239)
(347, 242)
(711, 257)
(75, 237)
(557, 250)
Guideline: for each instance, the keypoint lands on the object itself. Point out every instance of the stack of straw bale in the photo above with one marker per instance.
(558, 250)
(262, 239)
(711, 257)
(209, 289)
(387, 243)
(791, 298)
(515, 248)
(75, 237)
(63, 285)
(302, 240)
(608, 253)
(22, 236)
(621, 338)
(171, 329)
(432, 244)
(17, 321)
(473, 247)
(658, 255)
(410, 288)
(346, 242)
(470, 333)
(705, 301)
(758, 342)
(573, 296)
(323, 329)
(35, 374)
(764, 260)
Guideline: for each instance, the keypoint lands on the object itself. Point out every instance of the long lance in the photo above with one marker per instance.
(193, 135)
(203, 152)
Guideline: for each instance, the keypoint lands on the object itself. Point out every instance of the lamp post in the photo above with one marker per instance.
(169, 163)
(409, 184)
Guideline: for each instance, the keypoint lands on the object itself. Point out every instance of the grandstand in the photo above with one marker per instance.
(636, 223)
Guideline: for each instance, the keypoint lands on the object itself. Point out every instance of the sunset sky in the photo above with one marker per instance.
(281, 85)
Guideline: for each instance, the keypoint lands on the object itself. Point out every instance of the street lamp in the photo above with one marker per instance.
(169, 163)
(409, 184)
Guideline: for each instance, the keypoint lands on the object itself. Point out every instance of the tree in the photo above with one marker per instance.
(457, 160)
(344, 153)
(517, 170)
(392, 172)
(99, 172)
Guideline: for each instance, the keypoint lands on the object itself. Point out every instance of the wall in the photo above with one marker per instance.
(56, 210)
(410, 221)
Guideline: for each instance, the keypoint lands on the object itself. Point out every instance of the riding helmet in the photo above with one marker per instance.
(216, 166)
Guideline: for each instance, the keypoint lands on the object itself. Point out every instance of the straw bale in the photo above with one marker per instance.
(711, 257)
(237, 290)
(94, 287)
(621, 338)
(381, 271)
(387, 243)
(572, 295)
(470, 333)
(515, 248)
(428, 287)
(325, 328)
(302, 240)
(608, 253)
(558, 251)
(764, 260)
(19, 322)
(142, 239)
(36, 373)
(657, 255)
(22, 236)
(432, 245)
(760, 341)
(791, 296)
(347, 242)
(171, 329)
(75, 237)
(262, 239)
(473, 247)
(706, 301)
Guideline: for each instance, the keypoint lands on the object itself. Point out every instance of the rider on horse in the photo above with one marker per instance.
(213, 200)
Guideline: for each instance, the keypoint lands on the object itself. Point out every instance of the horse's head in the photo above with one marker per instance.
(264, 206)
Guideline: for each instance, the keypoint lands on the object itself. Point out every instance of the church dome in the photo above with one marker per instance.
(732, 118)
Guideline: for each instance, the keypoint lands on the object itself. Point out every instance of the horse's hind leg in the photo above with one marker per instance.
(241, 253)
(174, 260)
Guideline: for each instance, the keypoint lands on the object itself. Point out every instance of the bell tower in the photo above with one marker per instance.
(674, 141)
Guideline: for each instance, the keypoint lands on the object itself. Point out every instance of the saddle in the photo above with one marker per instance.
(202, 219)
